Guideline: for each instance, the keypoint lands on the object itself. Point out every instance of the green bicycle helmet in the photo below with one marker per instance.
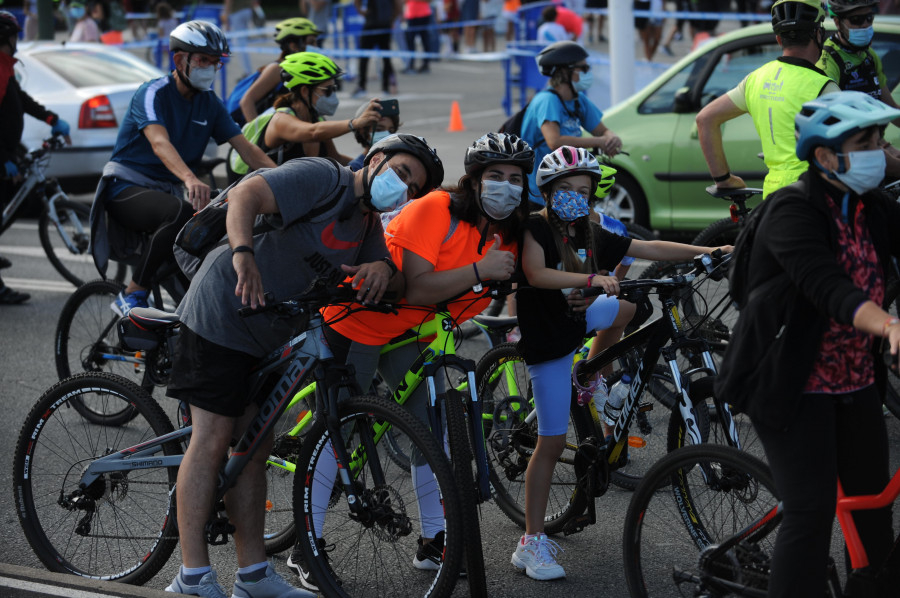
(797, 15)
(607, 180)
(416, 147)
(830, 119)
(838, 8)
(298, 27)
(308, 68)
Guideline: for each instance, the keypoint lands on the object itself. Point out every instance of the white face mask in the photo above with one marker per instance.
(202, 78)
(865, 171)
(499, 199)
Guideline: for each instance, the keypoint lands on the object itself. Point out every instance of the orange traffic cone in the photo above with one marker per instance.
(456, 123)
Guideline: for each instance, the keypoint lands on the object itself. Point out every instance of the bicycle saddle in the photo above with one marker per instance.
(731, 194)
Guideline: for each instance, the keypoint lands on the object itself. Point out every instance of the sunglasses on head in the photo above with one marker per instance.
(327, 91)
(860, 19)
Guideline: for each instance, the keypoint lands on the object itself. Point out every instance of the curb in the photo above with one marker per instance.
(17, 581)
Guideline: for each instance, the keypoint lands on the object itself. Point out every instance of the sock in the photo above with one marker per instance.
(253, 573)
(526, 538)
(193, 575)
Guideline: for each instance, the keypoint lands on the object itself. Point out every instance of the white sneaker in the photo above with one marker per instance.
(537, 557)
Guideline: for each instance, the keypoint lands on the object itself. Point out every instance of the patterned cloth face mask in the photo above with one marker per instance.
(570, 205)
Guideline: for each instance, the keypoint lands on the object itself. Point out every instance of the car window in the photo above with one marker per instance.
(662, 100)
(732, 67)
(887, 46)
(87, 68)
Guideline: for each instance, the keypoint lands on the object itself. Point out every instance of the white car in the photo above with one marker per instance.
(90, 86)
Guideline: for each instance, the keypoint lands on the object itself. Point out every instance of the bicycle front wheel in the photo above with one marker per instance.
(122, 527)
(504, 388)
(371, 552)
(690, 500)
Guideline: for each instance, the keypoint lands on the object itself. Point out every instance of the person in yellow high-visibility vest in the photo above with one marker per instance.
(772, 94)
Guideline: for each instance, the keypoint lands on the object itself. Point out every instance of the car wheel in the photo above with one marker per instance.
(626, 201)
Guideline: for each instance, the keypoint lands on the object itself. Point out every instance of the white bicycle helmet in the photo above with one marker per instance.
(566, 161)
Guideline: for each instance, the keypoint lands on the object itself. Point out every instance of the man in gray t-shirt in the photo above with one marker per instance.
(325, 224)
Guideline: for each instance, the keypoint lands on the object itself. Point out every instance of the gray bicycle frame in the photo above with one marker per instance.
(302, 352)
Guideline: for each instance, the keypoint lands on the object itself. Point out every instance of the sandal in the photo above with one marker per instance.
(11, 297)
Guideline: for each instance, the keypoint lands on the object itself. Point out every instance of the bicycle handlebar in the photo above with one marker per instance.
(318, 295)
(705, 263)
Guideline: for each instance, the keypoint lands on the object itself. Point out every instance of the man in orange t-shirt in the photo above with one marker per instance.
(445, 243)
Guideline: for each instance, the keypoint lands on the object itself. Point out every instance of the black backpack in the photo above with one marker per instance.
(513, 125)
(739, 267)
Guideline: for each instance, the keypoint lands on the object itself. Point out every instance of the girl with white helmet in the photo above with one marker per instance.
(563, 250)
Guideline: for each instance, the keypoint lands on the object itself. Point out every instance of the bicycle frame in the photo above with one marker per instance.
(439, 353)
(300, 354)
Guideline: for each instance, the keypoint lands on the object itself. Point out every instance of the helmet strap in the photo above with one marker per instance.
(367, 184)
(484, 235)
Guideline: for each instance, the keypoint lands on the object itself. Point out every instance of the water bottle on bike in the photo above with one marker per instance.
(616, 399)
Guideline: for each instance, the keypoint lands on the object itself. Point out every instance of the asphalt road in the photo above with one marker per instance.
(592, 558)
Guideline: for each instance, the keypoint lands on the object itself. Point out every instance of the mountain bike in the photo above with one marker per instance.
(99, 500)
(64, 225)
(710, 531)
(589, 461)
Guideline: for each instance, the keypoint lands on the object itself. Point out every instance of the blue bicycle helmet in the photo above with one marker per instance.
(832, 118)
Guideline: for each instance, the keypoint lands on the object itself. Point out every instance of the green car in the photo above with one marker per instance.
(661, 182)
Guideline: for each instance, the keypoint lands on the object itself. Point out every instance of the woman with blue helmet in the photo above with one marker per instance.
(818, 269)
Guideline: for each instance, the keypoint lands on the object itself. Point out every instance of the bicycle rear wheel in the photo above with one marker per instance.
(372, 553)
(504, 388)
(121, 527)
(691, 499)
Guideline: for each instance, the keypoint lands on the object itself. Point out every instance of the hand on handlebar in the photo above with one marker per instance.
(610, 284)
(496, 264)
(62, 128)
(198, 193)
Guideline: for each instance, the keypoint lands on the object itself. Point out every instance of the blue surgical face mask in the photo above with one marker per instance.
(379, 135)
(315, 49)
(499, 199)
(76, 12)
(202, 78)
(388, 191)
(569, 205)
(865, 172)
(327, 105)
(861, 38)
(585, 80)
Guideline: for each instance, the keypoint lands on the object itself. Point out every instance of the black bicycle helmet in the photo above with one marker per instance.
(560, 54)
(417, 147)
(797, 15)
(837, 8)
(499, 148)
(200, 37)
(9, 26)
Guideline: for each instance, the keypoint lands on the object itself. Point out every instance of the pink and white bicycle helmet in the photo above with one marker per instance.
(566, 161)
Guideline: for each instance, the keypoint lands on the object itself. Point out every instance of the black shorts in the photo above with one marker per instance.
(210, 376)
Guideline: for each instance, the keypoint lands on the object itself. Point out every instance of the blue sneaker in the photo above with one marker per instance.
(207, 588)
(270, 586)
(125, 303)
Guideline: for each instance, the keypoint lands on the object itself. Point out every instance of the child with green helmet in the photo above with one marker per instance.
(295, 127)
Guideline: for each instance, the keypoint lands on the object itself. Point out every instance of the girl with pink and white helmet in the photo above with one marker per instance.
(563, 252)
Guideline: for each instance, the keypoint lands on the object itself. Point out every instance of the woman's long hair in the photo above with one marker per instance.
(292, 96)
(464, 205)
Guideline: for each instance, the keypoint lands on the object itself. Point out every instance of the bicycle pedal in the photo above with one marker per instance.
(217, 531)
(645, 407)
(576, 524)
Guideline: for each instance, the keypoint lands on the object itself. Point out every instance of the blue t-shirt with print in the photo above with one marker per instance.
(547, 106)
(190, 124)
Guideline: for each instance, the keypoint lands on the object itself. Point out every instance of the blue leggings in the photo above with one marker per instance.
(551, 380)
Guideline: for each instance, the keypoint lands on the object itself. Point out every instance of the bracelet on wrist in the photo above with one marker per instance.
(243, 249)
(723, 178)
(478, 286)
(590, 279)
(391, 265)
(350, 125)
(887, 324)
